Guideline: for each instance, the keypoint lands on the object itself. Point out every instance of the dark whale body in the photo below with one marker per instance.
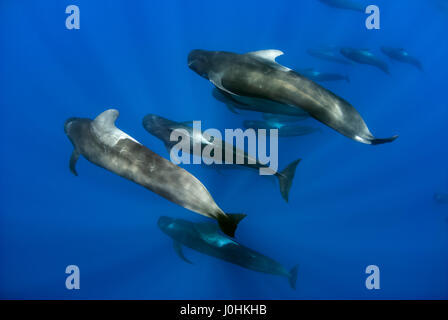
(257, 105)
(284, 130)
(328, 54)
(205, 238)
(318, 76)
(401, 55)
(345, 4)
(162, 128)
(284, 118)
(257, 75)
(365, 57)
(103, 144)
(441, 197)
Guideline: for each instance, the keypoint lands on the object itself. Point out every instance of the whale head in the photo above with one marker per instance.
(159, 127)
(69, 124)
(346, 51)
(166, 224)
(74, 127)
(200, 61)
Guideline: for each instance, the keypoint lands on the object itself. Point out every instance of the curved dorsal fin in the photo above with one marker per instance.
(105, 129)
(106, 119)
(270, 54)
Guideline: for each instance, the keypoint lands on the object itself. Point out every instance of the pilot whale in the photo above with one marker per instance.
(284, 130)
(103, 144)
(162, 128)
(329, 54)
(283, 118)
(257, 105)
(345, 4)
(401, 55)
(206, 238)
(441, 197)
(319, 76)
(364, 56)
(257, 76)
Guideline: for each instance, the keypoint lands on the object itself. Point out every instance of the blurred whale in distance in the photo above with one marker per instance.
(318, 76)
(399, 54)
(441, 197)
(257, 75)
(284, 130)
(103, 144)
(206, 238)
(364, 56)
(329, 54)
(345, 4)
(162, 128)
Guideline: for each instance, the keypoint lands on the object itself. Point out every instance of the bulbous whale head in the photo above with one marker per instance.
(159, 127)
(69, 123)
(199, 62)
(346, 51)
(165, 224)
(73, 128)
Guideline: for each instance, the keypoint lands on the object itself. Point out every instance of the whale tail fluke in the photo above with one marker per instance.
(293, 277)
(285, 178)
(229, 222)
(385, 140)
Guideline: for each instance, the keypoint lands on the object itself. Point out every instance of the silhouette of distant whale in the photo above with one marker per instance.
(318, 76)
(401, 55)
(328, 54)
(364, 56)
(441, 197)
(345, 4)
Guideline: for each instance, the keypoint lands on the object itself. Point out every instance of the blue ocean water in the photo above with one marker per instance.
(351, 205)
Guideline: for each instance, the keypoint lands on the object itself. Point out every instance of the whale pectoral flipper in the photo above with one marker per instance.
(231, 108)
(215, 78)
(178, 248)
(228, 222)
(73, 159)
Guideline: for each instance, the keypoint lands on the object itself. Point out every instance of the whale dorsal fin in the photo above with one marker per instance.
(106, 119)
(178, 248)
(105, 129)
(269, 55)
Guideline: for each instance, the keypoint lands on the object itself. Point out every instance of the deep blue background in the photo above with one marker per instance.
(351, 204)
